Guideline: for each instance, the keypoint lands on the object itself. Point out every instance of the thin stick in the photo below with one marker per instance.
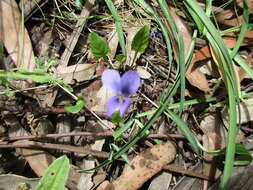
(186, 172)
(68, 148)
(93, 134)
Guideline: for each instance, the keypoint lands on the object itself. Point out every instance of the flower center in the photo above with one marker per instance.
(121, 99)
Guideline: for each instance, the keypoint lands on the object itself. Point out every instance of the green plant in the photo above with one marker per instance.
(56, 175)
(41, 74)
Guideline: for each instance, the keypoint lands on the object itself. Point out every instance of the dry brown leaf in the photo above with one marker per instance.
(196, 77)
(184, 29)
(131, 29)
(194, 74)
(145, 165)
(143, 73)
(12, 182)
(80, 72)
(113, 42)
(106, 185)
(38, 160)
(161, 181)
(16, 42)
(214, 138)
(71, 43)
(249, 2)
(246, 112)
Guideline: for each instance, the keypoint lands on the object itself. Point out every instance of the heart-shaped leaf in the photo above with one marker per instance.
(141, 39)
(99, 47)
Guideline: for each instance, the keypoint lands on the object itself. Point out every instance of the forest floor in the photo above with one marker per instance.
(153, 95)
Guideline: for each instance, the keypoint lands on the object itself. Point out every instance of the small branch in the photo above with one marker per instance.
(97, 134)
(40, 145)
(186, 172)
(93, 134)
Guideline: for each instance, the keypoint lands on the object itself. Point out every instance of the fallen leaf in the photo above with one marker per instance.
(190, 183)
(161, 181)
(143, 73)
(38, 160)
(246, 112)
(99, 99)
(113, 42)
(131, 29)
(242, 178)
(184, 29)
(194, 74)
(71, 43)
(12, 182)
(214, 138)
(16, 41)
(106, 185)
(196, 77)
(249, 3)
(145, 165)
(80, 72)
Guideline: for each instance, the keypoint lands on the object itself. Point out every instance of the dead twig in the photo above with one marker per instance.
(93, 134)
(40, 145)
(186, 172)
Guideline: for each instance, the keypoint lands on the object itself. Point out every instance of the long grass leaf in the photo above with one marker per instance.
(178, 37)
(244, 28)
(118, 25)
(230, 80)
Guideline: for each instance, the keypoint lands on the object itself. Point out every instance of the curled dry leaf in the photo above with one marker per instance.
(16, 42)
(194, 74)
(145, 165)
(184, 29)
(214, 138)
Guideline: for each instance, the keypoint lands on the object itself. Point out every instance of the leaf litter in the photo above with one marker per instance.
(57, 33)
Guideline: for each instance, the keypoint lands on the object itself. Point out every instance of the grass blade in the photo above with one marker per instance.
(118, 25)
(244, 28)
(230, 80)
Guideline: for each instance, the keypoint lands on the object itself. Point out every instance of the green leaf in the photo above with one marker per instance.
(243, 156)
(99, 47)
(141, 39)
(121, 58)
(79, 4)
(124, 156)
(77, 107)
(56, 175)
(117, 134)
(116, 118)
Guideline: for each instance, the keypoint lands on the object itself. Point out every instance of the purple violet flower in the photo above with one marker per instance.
(123, 87)
(155, 33)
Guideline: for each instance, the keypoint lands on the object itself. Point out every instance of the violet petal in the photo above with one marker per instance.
(111, 79)
(130, 82)
(112, 105)
(123, 107)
